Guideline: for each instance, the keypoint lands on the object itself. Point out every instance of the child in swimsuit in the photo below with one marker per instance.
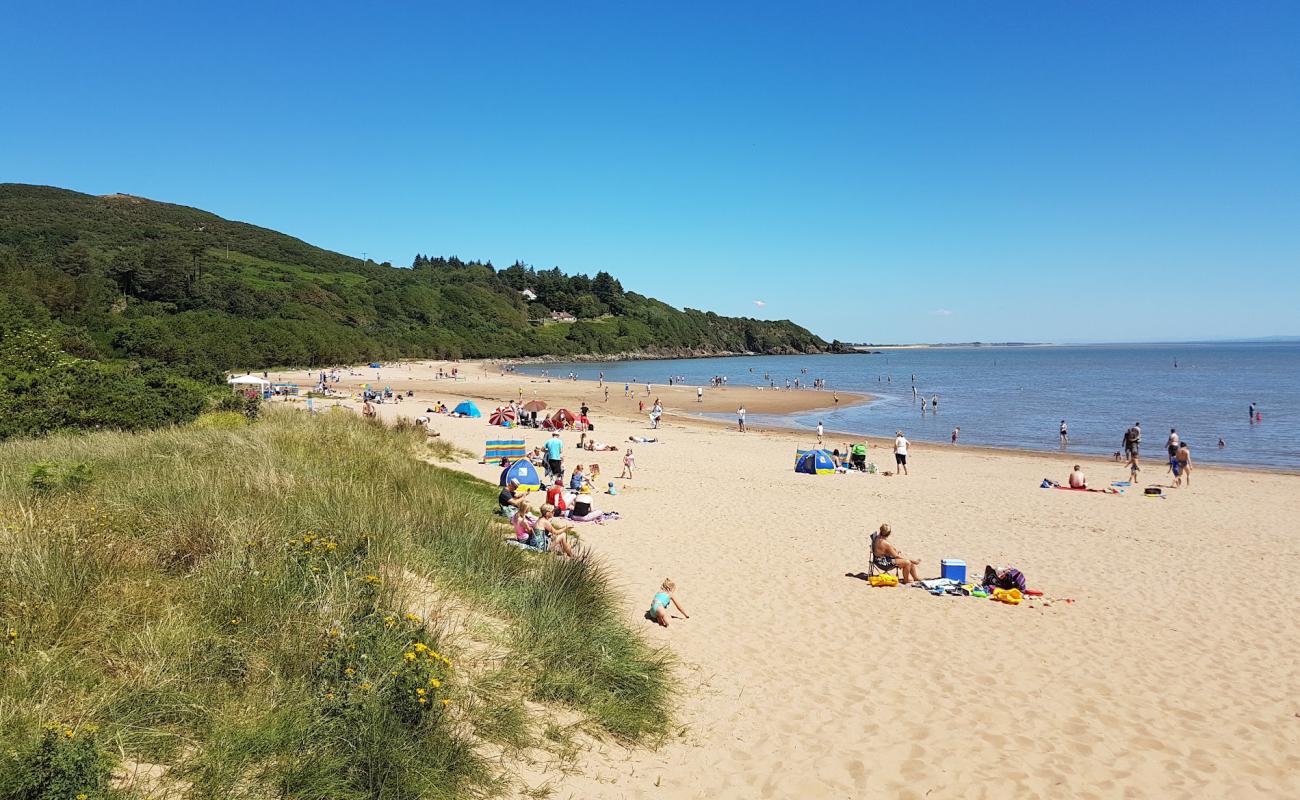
(659, 606)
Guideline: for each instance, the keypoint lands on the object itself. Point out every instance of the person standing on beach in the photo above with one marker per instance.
(1133, 468)
(740, 418)
(1065, 435)
(900, 452)
(554, 456)
(699, 394)
(820, 431)
(606, 394)
(1183, 458)
(1133, 439)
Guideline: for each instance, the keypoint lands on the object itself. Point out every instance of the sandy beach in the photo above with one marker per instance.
(1167, 663)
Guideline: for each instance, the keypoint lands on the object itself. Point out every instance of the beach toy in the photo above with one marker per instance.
(1033, 593)
(1011, 597)
(953, 569)
(612, 490)
(978, 593)
(884, 579)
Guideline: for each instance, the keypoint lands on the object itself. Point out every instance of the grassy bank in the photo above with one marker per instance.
(299, 607)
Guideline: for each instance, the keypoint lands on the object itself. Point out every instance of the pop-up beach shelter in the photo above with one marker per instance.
(467, 409)
(814, 462)
(563, 417)
(522, 470)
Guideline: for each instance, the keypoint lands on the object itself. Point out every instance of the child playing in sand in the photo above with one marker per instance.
(659, 606)
(1133, 469)
(628, 463)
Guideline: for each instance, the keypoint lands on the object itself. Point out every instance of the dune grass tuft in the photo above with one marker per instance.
(216, 599)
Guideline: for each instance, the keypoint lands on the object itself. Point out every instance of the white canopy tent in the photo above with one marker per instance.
(248, 380)
(243, 384)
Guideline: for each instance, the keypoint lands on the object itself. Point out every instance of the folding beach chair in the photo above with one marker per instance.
(872, 569)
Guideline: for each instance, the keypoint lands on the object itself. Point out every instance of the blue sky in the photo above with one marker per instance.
(904, 171)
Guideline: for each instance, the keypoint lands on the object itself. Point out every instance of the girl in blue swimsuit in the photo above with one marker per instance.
(659, 606)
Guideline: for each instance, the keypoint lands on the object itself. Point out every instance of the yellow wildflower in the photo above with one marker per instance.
(390, 621)
(445, 702)
(349, 671)
(334, 632)
(435, 683)
(423, 700)
(330, 546)
(67, 732)
(372, 579)
(365, 684)
(82, 796)
(235, 620)
(420, 692)
(420, 647)
(408, 655)
(412, 617)
(13, 634)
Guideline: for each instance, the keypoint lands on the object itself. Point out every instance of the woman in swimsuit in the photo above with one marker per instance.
(887, 556)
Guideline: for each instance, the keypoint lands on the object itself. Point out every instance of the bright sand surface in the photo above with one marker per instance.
(1174, 673)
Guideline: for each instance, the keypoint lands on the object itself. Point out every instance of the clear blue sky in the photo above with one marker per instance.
(910, 171)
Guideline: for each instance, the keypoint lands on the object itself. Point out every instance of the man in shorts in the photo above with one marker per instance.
(900, 452)
(554, 449)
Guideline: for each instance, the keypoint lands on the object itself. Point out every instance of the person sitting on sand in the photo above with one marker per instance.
(557, 530)
(524, 525)
(510, 498)
(859, 456)
(367, 410)
(658, 612)
(887, 557)
(555, 497)
(1077, 479)
(578, 481)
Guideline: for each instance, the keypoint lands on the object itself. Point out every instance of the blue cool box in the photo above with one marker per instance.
(953, 569)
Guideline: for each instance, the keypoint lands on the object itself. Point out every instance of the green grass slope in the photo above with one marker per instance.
(296, 607)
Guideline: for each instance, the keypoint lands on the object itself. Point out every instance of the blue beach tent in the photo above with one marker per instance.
(467, 409)
(524, 472)
(814, 462)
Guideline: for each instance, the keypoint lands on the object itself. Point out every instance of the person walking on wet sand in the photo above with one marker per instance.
(699, 394)
(820, 431)
(740, 418)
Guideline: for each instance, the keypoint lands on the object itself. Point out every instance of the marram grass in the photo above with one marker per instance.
(219, 600)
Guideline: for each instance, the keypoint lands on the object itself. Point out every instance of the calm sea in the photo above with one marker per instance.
(1017, 396)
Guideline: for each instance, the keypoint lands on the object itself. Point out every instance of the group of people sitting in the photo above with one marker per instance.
(853, 456)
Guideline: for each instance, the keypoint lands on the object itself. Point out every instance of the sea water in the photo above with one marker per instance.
(1017, 396)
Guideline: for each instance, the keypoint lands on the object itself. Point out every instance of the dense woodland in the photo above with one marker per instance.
(161, 296)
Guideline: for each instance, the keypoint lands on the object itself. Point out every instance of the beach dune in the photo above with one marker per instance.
(1166, 664)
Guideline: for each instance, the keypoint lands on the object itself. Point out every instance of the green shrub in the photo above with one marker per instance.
(47, 477)
(65, 763)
